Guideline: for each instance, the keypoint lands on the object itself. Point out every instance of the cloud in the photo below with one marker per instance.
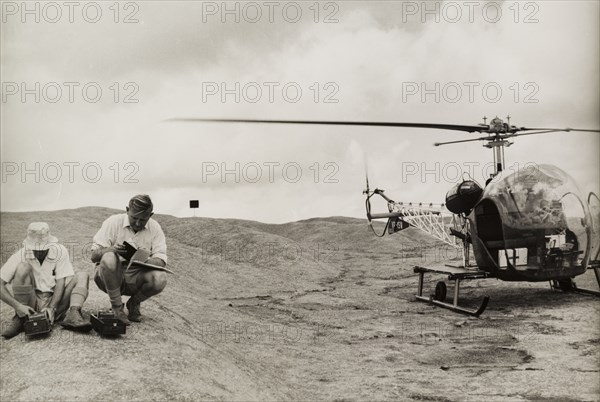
(368, 62)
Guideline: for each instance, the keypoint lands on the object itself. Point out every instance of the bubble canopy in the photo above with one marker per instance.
(543, 202)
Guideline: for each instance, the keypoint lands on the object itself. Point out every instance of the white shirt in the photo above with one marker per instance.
(116, 230)
(56, 265)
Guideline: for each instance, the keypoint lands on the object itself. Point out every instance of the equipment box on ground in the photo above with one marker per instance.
(105, 323)
(37, 324)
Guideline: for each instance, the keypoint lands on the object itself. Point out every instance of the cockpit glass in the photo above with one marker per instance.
(542, 206)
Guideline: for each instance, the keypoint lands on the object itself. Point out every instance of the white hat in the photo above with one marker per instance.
(38, 236)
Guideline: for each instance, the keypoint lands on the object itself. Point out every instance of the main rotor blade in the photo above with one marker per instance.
(455, 127)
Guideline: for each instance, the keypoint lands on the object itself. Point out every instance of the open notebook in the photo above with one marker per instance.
(138, 257)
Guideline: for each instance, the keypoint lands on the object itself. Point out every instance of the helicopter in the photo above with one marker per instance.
(533, 225)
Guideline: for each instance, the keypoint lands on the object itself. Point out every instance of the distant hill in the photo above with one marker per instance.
(301, 250)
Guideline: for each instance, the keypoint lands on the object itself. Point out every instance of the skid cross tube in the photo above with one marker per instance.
(455, 274)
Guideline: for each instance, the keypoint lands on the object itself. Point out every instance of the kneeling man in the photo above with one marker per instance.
(43, 280)
(137, 227)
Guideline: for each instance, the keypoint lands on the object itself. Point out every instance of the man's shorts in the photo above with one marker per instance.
(129, 283)
(43, 299)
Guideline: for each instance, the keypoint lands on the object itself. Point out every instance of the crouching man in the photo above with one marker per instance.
(43, 280)
(136, 227)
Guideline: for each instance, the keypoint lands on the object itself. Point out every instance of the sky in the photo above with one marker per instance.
(88, 91)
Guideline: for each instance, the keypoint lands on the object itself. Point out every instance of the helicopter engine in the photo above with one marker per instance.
(463, 196)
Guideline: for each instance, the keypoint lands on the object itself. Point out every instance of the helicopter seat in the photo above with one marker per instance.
(499, 244)
(492, 233)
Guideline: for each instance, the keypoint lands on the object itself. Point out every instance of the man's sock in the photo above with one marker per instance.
(24, 294)
(78, 296)
(115, 297)
(113, 294)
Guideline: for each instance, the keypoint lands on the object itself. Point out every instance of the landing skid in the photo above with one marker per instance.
(455, 274)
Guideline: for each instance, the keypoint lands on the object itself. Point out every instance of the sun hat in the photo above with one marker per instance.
(39, 237)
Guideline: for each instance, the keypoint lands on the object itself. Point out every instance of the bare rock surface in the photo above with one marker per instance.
(312, 310)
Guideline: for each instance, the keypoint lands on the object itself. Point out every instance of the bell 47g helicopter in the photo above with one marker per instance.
(533, 225)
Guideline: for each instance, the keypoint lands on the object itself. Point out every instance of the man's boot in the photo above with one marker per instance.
(14, 327)
(75, 321)
(134, 310)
